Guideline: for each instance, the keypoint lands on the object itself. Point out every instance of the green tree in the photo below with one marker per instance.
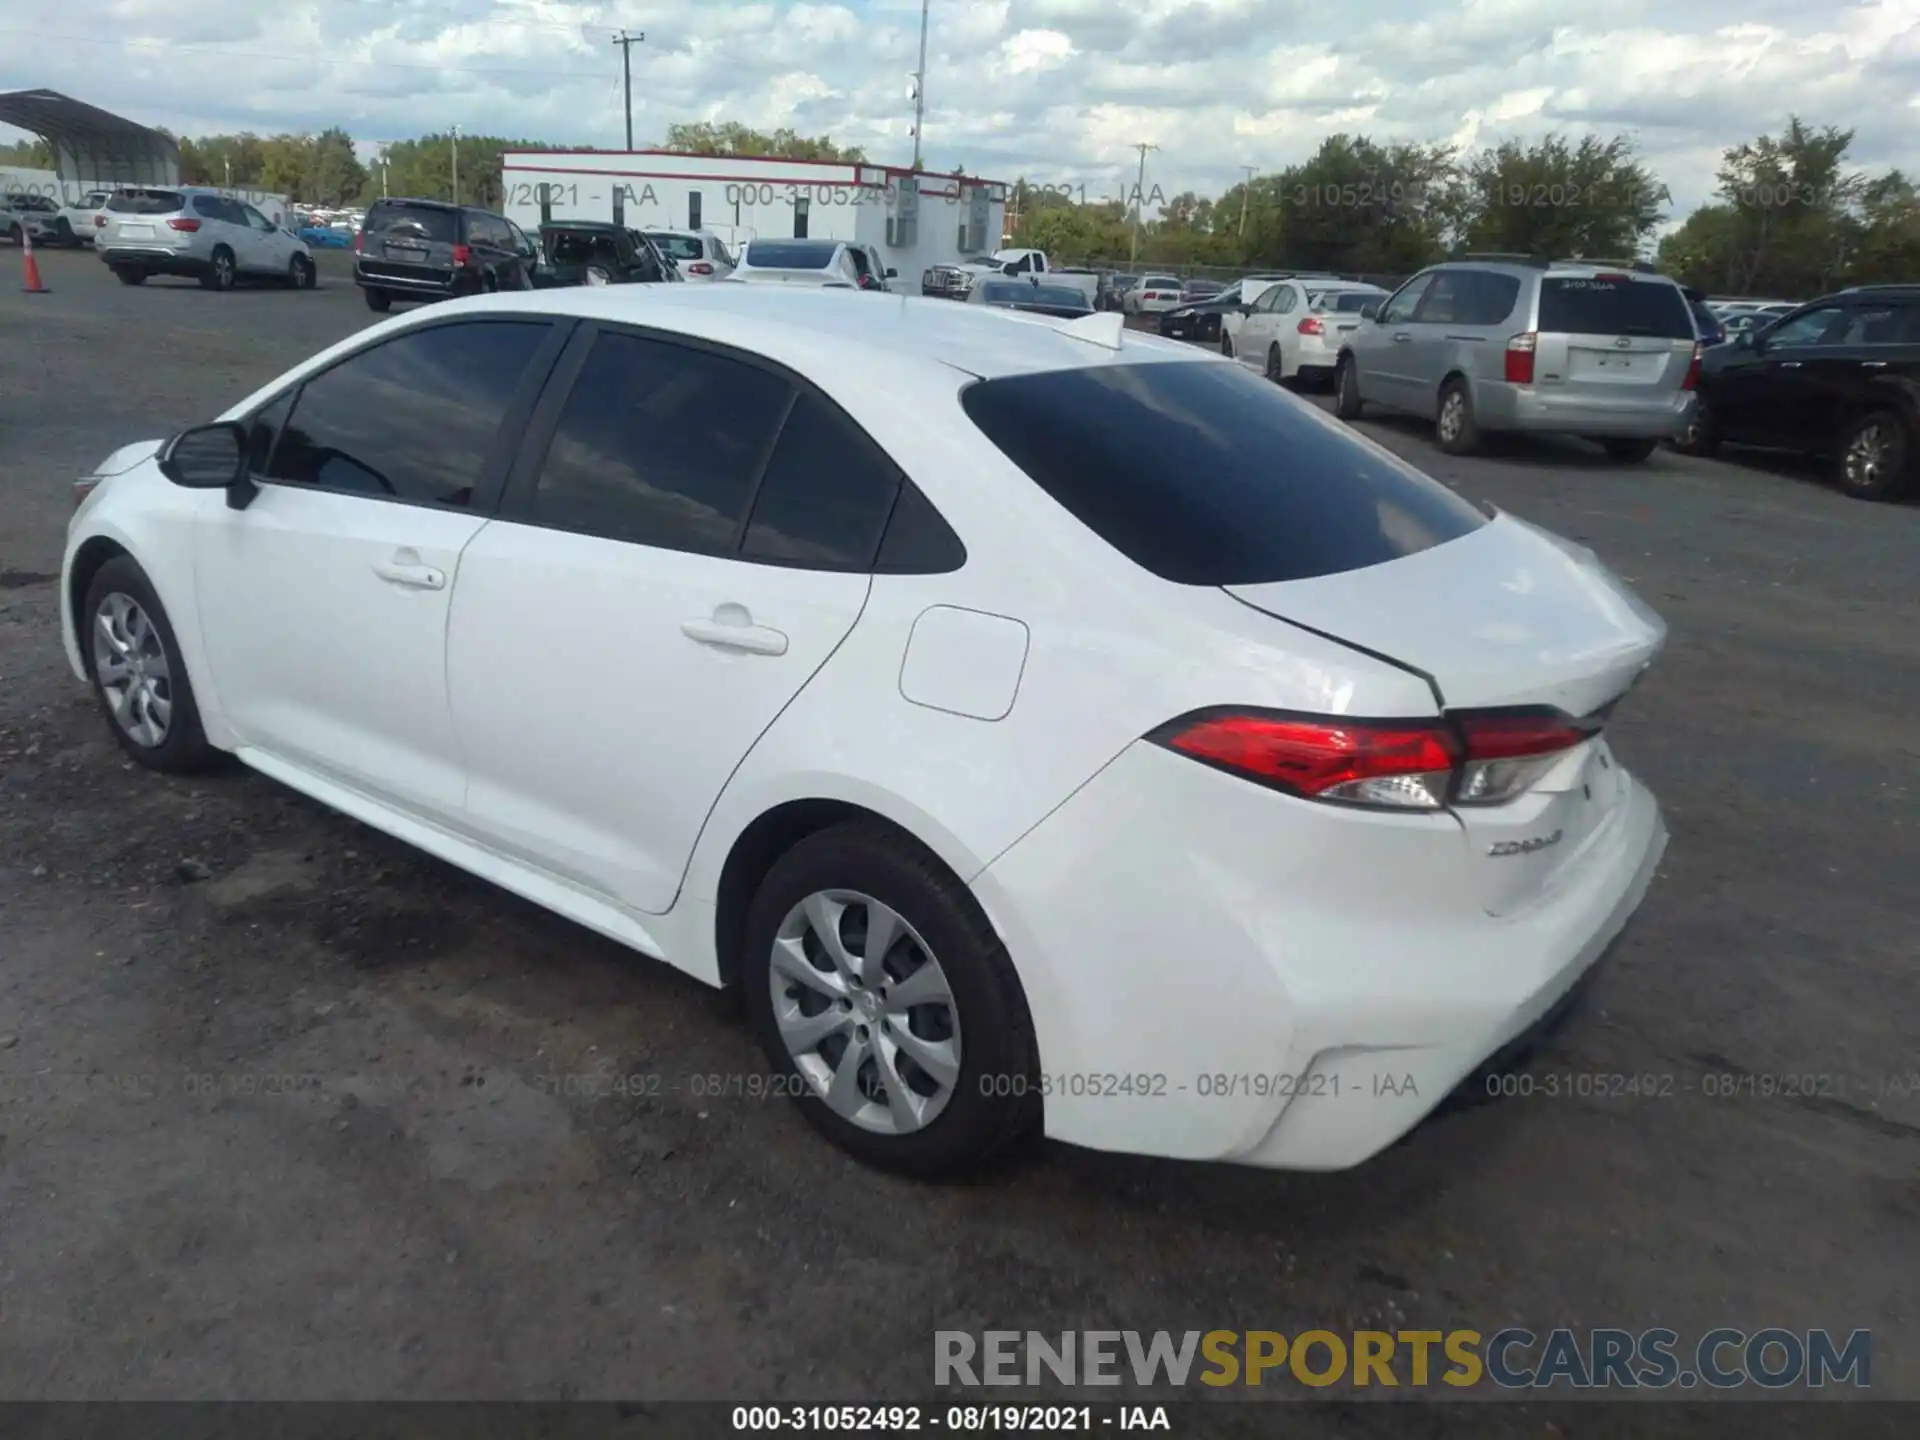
(1559, 199)
(31, 154)
(1790, 196)
(1360, 206)
(704, 137)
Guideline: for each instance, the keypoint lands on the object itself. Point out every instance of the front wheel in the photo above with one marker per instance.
(301, 274)
(1456, 429)
(884, 999)
(138, 676)
(1874, 455)
(1629, 452)
(1346, 390)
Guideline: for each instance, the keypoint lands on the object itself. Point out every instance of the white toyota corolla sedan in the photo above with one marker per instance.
(1046, 725)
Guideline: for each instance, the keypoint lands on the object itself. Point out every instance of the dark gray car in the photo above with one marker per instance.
(431, 250)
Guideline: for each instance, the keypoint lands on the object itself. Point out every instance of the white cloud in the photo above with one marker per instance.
(1058, 90)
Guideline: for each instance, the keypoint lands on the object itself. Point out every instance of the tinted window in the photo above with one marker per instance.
(676, 247)
(262, 429)
(1610, 305)
(1205, 474)
(659, 444)
(418, 222)
(1399, 310)
(1807, 328)
(789, 255)
(146, 202)
(1490, 297)
(209, 206)
(826, 495)
(411, 419)
(1057, 295)
(918, 541)
(1875, 325)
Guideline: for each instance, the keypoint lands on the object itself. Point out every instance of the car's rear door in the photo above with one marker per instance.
(324, 602)
(412, 244)
(1611, 337)
(684, 541)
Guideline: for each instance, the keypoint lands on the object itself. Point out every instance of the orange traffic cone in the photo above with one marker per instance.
(29, 267)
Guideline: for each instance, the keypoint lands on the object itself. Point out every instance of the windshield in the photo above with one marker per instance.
(1614, 305)
(677, 247)
(1206, 474)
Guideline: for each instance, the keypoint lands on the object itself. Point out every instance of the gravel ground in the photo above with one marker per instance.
(290, 1111)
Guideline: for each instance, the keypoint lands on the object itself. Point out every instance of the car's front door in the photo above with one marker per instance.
(1382, 362)
(273, 247)
(324, 603)
(1256, 332)
(684, 541)
(1764, 394)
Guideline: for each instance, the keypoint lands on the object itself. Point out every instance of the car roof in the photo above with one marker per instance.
(794, 325)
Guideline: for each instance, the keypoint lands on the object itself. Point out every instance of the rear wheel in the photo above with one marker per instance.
(301, 274)
(879, 989)
(1456, 429)
(1346, 390)
(1874, 456)
(1629, 452)
(1276, 368)
(377, 299)
(138, 676)
(219, 274)
(1702, 435)
(128, 275)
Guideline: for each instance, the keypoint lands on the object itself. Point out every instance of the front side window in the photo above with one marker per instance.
(255, 218)
(659, 444)
(1399, 310)
(414, 418)
(1810, 327)
(1205, 474)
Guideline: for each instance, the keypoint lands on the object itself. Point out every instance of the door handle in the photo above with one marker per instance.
(1873, 364)
(731, 628)
(413, 577)
(1400, 337)
(1790, 364)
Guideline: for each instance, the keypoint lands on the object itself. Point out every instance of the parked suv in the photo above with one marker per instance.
(23, 214)
(699, 254)
(1603, 349)
(433, 249)
(183, 230)
(1838, 377)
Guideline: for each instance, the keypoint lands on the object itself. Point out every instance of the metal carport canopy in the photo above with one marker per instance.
(91, 145)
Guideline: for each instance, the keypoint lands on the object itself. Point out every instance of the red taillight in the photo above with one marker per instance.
(99, 222)
(187, 225)
(1520, 359)
(1692, 382)
(1609, 275)
(462, 256)
(1470, 758)
(699, 267)
(1311, 326)
(1404, 764)
(357, 238)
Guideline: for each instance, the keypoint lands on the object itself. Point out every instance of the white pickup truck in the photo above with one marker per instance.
(955, 282)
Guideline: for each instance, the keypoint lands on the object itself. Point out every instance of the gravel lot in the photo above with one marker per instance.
(283, 1110)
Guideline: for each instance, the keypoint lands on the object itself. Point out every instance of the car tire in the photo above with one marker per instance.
(1629, 452)
(1275, 369)
(129, 276)
(219, 273)
(301, 274)
(1457, 432)
(63, 233)
(377, 299)
(976, 1008)
(1876, 453)
(1226, 344)
(146, 696)
(1702, 435)
(13, 233)
(1347, 404)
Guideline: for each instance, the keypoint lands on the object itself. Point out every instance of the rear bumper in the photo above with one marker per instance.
(155, 259)
(375, 278)
(1298, 986)
(1499, 406)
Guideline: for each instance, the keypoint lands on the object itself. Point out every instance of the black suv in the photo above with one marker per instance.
(1838, 377)
(430, 249)
(593, 252)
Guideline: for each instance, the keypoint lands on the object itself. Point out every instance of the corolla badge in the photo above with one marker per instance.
(1623, 342)
(1501, 848)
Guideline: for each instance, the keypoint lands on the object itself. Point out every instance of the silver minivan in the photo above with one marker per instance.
(1602, 349)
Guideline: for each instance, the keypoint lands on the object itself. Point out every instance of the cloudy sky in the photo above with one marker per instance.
(1057, 90)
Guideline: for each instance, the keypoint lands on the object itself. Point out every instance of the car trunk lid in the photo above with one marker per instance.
(1511, 626)
(413, 242)
(1612, 336)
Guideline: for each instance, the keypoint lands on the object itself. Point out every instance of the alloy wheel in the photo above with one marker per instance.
(1453, 416)
(865, 1012)
(1868, 455)
(222, 273)
(131, 664)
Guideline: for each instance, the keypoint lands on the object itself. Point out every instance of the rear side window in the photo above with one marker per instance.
(417, 222)
(659, 444)
(411, 419)
(1205, 474)
(146, 202)
(1613, 305)
(826, 495)
(788, 255)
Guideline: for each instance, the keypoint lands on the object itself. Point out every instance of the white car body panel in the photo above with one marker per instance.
(571, 742)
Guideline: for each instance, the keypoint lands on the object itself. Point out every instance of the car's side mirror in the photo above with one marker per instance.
(893, 274)
(207, 457)
(1370, 311)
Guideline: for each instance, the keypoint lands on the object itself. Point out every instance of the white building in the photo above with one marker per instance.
(914, 220)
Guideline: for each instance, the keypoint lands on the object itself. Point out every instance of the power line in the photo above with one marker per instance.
(169, 47)
(1139, 201)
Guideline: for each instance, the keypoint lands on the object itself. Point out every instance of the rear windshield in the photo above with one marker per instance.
(1205, 474)
(1058, 295)
(1609, 305)
(418, 222)
(1160, 282)
(1345, 302)
(1202, 287)
(146, 202)
(677, 247)
(788, 254)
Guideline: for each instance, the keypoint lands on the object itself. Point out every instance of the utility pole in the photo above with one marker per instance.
(1246, 189)
(1139, 201)
(454, 137)
(626, 43)
(920, 85)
